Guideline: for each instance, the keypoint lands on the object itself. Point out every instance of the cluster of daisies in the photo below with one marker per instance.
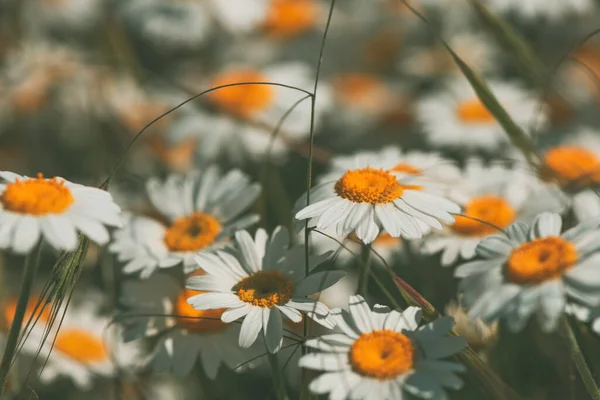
(213, 263)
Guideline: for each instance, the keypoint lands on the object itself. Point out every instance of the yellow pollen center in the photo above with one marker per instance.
(474, 112)
(540, 260)
(572, 166)
(382, 354)
(199, 321)
(406, 168)
(37, 196)
(369, 185)
(290, 17)
(193, 232)
(81, 345)
(242, 100)
(491, 209)
(265, 289)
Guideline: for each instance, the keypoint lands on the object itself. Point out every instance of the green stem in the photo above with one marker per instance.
(575, 352)
(31, 264)
(363, 279)
(278, 379)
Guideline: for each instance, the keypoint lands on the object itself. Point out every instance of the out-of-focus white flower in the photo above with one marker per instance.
(185, 335)
(247, 115)
(573, 168)
(53, 209)
(202, 209)
(83, 347)
(455, 117)
(533, 270)
(370, 191)
(496, 194)
(263, 280)
(384, 354)
(551, 9)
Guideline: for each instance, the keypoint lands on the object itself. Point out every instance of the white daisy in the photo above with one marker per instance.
(495, 194)
(196, 336)
(259, 282)
(279, 19)
(368, 191)
(203, 209)
(53, 209)
(248, 114)
(532, 270)
(455, 117)
(383, 354)
(553, 9)
(83, 347)
(573, 168)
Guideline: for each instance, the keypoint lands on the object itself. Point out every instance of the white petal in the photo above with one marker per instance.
(212, 301)
(360, 313)
(547, 224)
(248, 250)
(234, 314)
(272, 329)
(250, 327)
(26, 234)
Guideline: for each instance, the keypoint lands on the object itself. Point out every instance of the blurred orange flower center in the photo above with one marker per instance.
(573, 164)
(242, 100)
(474, 112)
(199, 321)
(356, 87)
(385, 239)
(81, 346)
(37, 196)
(370, 185)
(290, 17)
(193, 232)
(540, 260)
(41, 314)
(492, 209)
(382, 354)
(406, 168)
(265, 289)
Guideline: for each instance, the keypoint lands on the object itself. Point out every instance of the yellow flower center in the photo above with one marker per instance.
(10, 309)
(572, 165)
(386, 240)
(406, 168)
(474, 112)
(265, 289)
(290, 17)
(242, 100)
(355, 88)
(199, 321)
(382, 354)
(37, 196)
(540, 260)
(193, 232)
(492, 209)
(370, 185)
(81, 346)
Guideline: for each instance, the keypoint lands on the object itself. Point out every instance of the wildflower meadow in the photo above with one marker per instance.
(299, 199)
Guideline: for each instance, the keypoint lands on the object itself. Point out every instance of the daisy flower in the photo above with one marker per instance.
(82, 348)
(369, 191)
(532, 270)
(573, 167)
(384, 354)
(496, 194)
(201, 210)
(53, 209)
(183, 335)
(261, 281)
(455, 117)
(247, 114)
(553, 9)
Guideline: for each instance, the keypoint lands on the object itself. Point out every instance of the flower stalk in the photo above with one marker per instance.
(30, 267)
